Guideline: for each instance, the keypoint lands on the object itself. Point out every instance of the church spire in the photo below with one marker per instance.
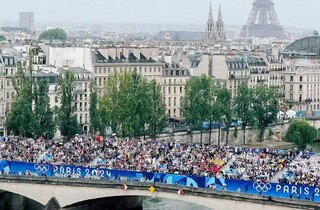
(210, 36)
(220, 13)
(210, 13)
(220, 30)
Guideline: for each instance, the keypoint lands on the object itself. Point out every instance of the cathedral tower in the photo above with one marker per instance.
(220, 30)
(210, 36)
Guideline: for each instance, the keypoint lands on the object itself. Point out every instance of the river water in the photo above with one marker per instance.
(168, 204)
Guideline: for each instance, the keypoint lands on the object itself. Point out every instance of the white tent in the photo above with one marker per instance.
(291, 114)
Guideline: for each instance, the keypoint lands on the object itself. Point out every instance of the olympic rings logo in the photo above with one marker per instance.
(41, 168)
(260, 186)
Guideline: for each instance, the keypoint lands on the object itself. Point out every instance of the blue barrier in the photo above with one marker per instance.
(266, 189)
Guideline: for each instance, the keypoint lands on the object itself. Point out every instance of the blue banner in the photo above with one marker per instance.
(267, 189)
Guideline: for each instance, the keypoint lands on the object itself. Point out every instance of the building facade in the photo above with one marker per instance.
(174, 79)
(26, 20)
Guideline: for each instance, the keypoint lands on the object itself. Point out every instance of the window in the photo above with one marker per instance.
(80, 119)
(300, 78)
(169, 101)
(300, 87)
(169, 90)
(8, 96)
(8, 83)
(180, 89)
(56, 99)
(291, 78)
(291, 87)
(174, 101)
(164, 90)
(174, 89)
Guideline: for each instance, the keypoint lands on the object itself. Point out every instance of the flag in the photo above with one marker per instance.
(152, 189)
(180, 192)
(124, 187)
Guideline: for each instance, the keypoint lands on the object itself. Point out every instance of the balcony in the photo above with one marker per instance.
(259, 72)
(233, 77)
(261, 80)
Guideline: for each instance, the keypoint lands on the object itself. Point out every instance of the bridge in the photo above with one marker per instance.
(70, 192)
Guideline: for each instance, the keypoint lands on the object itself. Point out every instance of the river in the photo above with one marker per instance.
(168, 204)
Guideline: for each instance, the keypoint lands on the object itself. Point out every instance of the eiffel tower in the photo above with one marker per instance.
(263, 21)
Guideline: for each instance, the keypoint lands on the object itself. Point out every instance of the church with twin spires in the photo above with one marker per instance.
(213, 34)
(215, 31)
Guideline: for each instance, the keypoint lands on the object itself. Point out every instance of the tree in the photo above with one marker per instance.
(244, 107)
(301, 133)
(195, 105)
(2, 38)
(53, 34)
(21, 119)
(265, 106)
(158, 118)
(94, 111)
(126, 103)
(225, 108)
(109, 103)
(67, 119)
(43, 113)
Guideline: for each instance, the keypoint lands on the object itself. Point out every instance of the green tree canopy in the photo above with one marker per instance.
(244, 107)
(21, 119)
(158, 118)
(95, 111)
(196, 104)
(265, 106)
(2, 38)
(43, 113)
(54, 34)
(224, 108)
(67, 119)
(131, 104)
(301, 133)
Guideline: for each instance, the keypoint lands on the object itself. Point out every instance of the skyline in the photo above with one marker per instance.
(300, 15)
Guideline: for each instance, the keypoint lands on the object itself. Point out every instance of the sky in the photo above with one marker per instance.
(291, 13)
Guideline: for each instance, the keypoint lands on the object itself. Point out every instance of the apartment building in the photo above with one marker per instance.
(7, 92)
(174, 79)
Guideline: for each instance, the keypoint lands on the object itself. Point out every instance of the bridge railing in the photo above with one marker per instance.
(277, 190)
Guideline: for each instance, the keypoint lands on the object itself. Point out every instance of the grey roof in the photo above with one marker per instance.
(181, 36)
(175, 69)
(256, 61)
(76, 70)
(307, 46)
(16, 29)
(97, 57)
(195, 59)
(236, 63)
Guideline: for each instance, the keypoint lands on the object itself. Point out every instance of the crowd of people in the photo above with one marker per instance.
(168, 157)
(257, 164)
(303, 171)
